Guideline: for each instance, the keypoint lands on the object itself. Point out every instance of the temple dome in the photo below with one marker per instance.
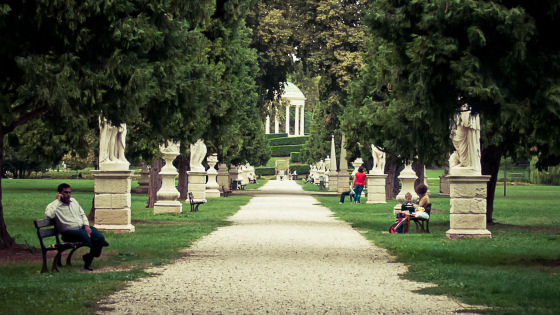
(292, 92)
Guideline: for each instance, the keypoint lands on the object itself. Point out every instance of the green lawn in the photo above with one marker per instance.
(515, 272)
(157, 240)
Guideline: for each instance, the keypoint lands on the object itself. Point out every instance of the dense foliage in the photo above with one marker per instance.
(426, 58)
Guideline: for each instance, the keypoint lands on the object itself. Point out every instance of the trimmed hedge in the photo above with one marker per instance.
(295, 157)
(300, 169)
(285, 150)
(264, 171)
(288, 140)
(276, 135)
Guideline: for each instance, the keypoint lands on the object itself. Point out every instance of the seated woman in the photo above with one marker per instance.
(424, 201)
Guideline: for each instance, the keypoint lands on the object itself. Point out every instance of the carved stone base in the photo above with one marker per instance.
(164, 206)
(112, 200)
(443, 186)
(333, 181)
(197, 185)
(454, 234)
(343, 183)
(116, 228)
(376, 188)
(468, 207)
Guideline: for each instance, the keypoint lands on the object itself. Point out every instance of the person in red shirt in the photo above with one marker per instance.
(359, 180)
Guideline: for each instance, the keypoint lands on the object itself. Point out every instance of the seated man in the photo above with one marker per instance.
(72, 223)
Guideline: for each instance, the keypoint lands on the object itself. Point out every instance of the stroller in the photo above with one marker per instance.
(400, 226)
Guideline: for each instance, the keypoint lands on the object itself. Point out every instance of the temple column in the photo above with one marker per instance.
(267, 125)
(288, 119)
(296, 125)
(276, 121)
(302, 122)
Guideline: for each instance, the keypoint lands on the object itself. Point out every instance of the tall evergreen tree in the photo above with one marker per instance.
(330, 45)
(426, 58)
(67, 62)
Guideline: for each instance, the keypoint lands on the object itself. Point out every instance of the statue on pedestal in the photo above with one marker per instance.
(379, 157)
(465, 134)
(112, 143)
(198, 153)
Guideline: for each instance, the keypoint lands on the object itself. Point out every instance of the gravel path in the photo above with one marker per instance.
(282, 254)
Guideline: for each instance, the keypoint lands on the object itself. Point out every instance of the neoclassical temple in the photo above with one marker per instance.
(295, 98)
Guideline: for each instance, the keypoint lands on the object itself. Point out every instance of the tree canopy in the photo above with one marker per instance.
(426, 58)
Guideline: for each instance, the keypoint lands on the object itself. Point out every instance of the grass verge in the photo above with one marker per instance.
(515, 272)
(158, 240)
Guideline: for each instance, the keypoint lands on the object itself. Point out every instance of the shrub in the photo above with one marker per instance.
(548, 177)
(264, 171)
(288, 140)
(295, 157)
(285, 150)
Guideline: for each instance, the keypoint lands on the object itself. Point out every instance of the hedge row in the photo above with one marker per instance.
(300, 169)
(295, 157)
(285, 150)
(288, 140)
(276, 135)
(264, 171)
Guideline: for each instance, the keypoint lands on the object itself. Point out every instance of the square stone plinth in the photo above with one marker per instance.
(112, 200)
(197, 185)
(376, 188)
(467, 217)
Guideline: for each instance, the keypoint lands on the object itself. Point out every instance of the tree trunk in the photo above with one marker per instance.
(6, 241)
(155, 182)
(491, 157)
(418, 168)
(391, 171)
(183, 186)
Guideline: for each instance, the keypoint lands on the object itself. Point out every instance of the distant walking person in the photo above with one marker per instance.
(359, 180)
(73, 224)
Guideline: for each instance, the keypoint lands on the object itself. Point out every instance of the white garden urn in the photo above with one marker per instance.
(168, 195)
(212, 187)
(357, 163)
(407, 178)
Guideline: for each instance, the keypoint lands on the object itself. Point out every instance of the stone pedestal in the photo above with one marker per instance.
(168, 195)
(197, 185)
(444, 185)
(223, 176)
(407, 178)
(468, 207)
(333, 181)
(343, 182)
(112, 200)
(143, 181)
(376, 188)
(212, 187)
(233, 173)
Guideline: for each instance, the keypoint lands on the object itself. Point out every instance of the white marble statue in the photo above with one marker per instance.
(465, 135)
(379, 157)
(198, 153)
(112, 142)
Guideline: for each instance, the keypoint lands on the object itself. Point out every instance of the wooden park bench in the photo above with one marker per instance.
(423, 224)
(226, 193)
(46, 229)
(194, 204)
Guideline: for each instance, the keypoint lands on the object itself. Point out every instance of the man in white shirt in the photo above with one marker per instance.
(72, 223)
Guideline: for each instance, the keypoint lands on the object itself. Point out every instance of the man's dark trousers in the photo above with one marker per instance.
(95, 242)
